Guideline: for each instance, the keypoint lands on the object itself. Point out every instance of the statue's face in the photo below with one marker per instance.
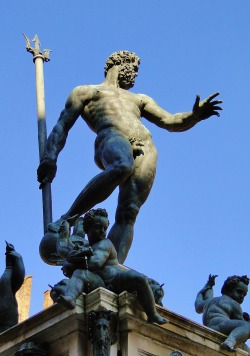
(238, 293)
(98, 229)
(127, 74)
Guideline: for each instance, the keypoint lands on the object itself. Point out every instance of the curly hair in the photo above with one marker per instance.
(231, 283)
(120, 57)
(90, 216)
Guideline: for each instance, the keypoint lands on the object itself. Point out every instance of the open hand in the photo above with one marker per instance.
(206, 108)
(211, 279)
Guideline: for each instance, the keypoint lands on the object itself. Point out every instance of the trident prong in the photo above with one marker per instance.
(46, 53)
(37, 42)
(27, 41)
(36, 50)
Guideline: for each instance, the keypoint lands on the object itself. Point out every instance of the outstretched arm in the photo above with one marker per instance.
(57, 139)
(204, 294)
(180, 121)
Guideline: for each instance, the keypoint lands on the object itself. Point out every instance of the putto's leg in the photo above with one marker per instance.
(239, 334)
(133, 281)
(74, 289)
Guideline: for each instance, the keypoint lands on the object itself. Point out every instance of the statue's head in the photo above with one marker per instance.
(95, 223)
(236, 287)
(102, 329)
(9, 247)
(129, 65)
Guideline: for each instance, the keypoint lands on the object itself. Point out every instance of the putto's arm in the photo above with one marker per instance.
(57, 139)
(180, 121)
(205, 294)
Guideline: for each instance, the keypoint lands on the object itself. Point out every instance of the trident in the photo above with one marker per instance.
(38, 58)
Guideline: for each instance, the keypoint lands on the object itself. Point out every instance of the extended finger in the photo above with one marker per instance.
(217, 102)
(197, 99)
(197, 102)
(216, 113)
(43, 183)
(212, 96)
(217, 108)
(213, 276)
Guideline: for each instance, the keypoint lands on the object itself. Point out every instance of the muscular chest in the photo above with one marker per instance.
(117, 97)
(113, 107)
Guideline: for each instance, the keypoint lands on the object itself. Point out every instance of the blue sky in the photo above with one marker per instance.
(196, 220)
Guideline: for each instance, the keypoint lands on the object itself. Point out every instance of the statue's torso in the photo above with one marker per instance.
(116, 108)
(108, 254)
(222, 307)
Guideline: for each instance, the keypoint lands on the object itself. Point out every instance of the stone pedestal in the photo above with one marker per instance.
(66, 333)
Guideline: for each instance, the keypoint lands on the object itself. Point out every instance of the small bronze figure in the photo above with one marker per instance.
(10, 282)
(103, 263)
(224, 314)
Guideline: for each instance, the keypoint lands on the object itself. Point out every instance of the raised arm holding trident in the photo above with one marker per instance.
(124, 149)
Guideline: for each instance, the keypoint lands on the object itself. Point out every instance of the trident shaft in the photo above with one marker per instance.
(38, 58)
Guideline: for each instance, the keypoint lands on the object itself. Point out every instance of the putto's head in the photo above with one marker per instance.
(236, 287)
(129, 63)
(90, 216)
(95, 223)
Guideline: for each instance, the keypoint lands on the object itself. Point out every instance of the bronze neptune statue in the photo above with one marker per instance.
(124, 149)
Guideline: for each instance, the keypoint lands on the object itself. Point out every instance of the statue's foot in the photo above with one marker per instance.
(156, 318)
(228, 345)
(55, 226)
(66, 301)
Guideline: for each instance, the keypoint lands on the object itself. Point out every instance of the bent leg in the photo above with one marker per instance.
(133, 281)
(238, 331)
(237, 336)
(114, 154)
(74, 289)
(132, 195)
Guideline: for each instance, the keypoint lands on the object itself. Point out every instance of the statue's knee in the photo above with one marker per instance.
(139, 279)
(132, 211)
(123, 170)
(128, 213)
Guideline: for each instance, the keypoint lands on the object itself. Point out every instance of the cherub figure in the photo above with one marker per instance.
(74, 250)
(102, 264)
(224, 314)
